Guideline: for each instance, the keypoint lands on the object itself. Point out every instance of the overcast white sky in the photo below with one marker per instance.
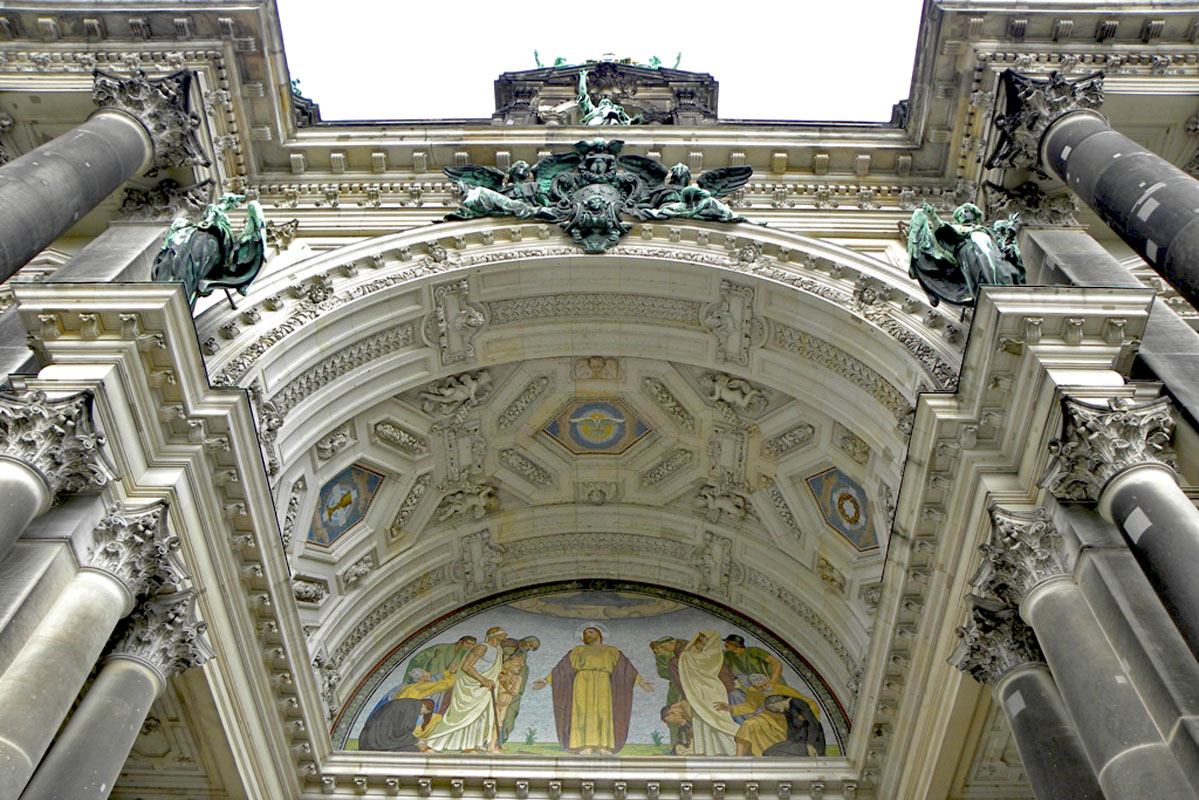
(804, 59)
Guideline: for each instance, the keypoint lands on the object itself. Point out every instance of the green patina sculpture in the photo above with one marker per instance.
(560, 61)
(590, 191)
(206, 255)
(605, 112)
(951, 260)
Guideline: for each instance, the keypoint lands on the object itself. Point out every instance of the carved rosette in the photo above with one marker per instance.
(137, 549)
(163, 106)
(1024, 551)
(164, 633)
(995, 641)
(1098, 442)
(56, 438)
(1031, 106)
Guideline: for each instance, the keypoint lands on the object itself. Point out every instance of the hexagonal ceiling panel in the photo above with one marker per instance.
(343, 503)
(591, 426)
(843, 505)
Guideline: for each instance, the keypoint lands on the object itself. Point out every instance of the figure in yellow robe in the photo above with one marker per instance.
(593, 696)
(765, 727)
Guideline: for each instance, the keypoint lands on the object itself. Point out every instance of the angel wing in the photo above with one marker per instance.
(477, 175)
(548, 168)
(723, 181)
(650, 171)
(934, 267)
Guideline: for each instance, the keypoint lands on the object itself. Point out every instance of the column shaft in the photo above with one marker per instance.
(49, 189)
(1150, 203)
(37, 689)
(23, 495)
(1125, 748)
(1162, 529)
(87, 758)
(1054, 759)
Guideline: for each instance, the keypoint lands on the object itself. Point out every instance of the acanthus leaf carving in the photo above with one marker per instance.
(401, 438)
(165, 633)
(163, 107)
(994, 641)
(411, 500)
(55, 438)
(136, 548)
(656, 389)
(526, 467)
(1098, 442)
(534, 390)
(1032, 105)
(1024, 551)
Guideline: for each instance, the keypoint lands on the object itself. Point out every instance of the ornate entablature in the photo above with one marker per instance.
(547, 95)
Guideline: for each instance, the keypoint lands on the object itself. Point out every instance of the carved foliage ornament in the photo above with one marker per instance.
(994, 642)
(164, 633)
(54, 437)
(1098, 442)
(1024, 551)
(1030, 107)
(136, 548)
(163, 106)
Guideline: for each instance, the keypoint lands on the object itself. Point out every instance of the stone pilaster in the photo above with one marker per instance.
(1030, 107)
(48, 448)
(1099, 442)
(163, 107)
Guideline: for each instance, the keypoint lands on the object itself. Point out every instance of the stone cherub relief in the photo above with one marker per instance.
(591, 191)
(951, 260)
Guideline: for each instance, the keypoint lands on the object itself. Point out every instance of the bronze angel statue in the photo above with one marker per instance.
(671, 193)
(951, 260)
(488, 192)
(206, 255)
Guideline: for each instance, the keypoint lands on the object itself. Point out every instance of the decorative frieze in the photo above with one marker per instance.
(137, 549)
(411, 500)
(401, 438)
(789, 440)
(994, 642)
(55, 438)
(164, 633)
(1099, 442)
(669, 403)
(673, 462)
(591, 304)
(526, 467)
(534, 390)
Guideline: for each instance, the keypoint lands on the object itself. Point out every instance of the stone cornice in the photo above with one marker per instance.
(55, 438)
(995, 641)
(1099, 442)
(164, 633)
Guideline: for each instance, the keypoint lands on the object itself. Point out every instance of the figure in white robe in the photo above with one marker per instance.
(470, 722)
(700, 662)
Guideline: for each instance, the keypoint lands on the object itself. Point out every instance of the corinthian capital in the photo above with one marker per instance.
(137, 549)
(1024, 550)
(163, 106)
(55, 438)
(164, 633)
(1030, 106)
(1098, 442)
(994, 642)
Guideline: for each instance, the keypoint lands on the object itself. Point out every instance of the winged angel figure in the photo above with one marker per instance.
(588, 191)
(951, 260)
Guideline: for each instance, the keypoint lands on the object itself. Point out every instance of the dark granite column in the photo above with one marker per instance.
(1052, 126)
(47, 448)
(1119, 455)
(999, 650)
(1025, 565)
(143, 125)
(161, 638)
